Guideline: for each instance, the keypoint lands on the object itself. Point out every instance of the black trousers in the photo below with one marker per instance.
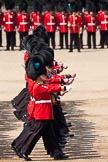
(81, 40)
(51, 36)
(32, 132)
(62, 37)
(15, 38)
(59, 117)
(0, 38)
(93, 36)
(104, 38)
(10, 38)
(21, 36)
(59, 122)
(74, 38)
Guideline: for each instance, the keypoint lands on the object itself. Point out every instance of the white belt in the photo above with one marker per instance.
(9, 22)
(104, 22)
(91, 24)
(50, 23)
(37, 23)
(43, 101)
(33, 99)
(74, 24)
(40, 101)
(23, 23)
(63, 23)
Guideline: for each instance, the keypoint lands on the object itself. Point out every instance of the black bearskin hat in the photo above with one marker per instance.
(51, 51)
(62, 5)
(37, 47)
(49, 5)
(33, 44)
(47, 56)
(23, 6)
(90, 6)
(9, 5)
(35, 67)
(25, 40)
(37, 5)
(40, 31)
(103, 5)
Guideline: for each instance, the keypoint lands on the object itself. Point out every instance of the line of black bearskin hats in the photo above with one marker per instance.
(39, 54)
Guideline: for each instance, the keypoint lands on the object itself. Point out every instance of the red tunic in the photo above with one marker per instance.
(50, 22)
(41, 94)
(23, 22)
(36, 20)
(74, 24)
(103, 21)
(9, 21)
(91, 23)
(62, 22)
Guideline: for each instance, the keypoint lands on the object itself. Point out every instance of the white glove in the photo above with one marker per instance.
(66, 80)
(68, 87)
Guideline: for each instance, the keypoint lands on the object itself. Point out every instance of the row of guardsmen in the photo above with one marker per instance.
(71, 24)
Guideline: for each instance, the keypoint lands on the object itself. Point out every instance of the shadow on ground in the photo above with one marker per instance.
(78, 147)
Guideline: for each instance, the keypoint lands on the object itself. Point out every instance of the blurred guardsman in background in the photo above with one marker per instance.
(50, 24)
(1, 23)
(103, 23)
(91, 25)
(36, 16)
(9, 23)
(23, 21)
(81, 22)
(74, 25)
(62, 21)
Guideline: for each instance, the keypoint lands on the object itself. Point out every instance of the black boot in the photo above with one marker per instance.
(16, 151)
(24, 156)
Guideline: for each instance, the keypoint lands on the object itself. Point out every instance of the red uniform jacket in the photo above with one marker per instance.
(1, 19)
(90, 23)
(98, 17)
(80, 17)
(36, 20)
(9, 21)
(103, 21)
(50, 22)
(62, 23)
(74, 24)
(41, 95)
(23, 22)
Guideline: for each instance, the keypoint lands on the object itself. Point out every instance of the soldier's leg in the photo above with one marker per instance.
(20, 39)
(66, 40)
(89, 39)
(61, 40)
(12, 36)
(94, 40)
(71, 42)
(53, 40)
(7, 40)
(0, 38)
(102, 39)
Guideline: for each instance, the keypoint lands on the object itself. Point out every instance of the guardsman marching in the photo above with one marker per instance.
(1, 23)
(36, 16)
(74, 25)
(23, 21)
(50, 25)
(9, 23)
